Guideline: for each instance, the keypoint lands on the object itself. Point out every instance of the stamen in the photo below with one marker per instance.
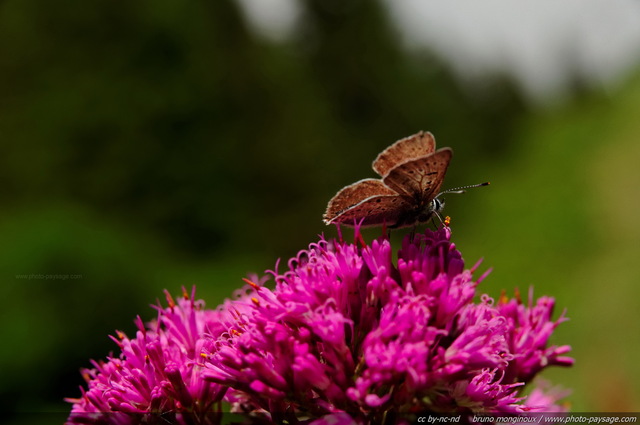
(253, 285)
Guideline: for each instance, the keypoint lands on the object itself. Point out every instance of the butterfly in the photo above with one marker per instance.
(412, 172)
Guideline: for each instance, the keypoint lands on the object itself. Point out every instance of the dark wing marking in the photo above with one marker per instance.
(403, 150)
(353, 194)
(420, 179)
(373, 211)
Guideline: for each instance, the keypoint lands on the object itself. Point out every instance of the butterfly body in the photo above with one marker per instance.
(412, 173)
(420, 214)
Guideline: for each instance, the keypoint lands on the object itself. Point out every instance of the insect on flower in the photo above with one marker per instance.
(412, 173)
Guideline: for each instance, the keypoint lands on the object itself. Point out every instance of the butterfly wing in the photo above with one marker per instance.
(419, 180)
(368, 199)
(412, 147)
(373, 211)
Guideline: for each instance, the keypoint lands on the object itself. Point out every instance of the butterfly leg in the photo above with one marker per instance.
(386, 230)
(412, 234)
(443, 221)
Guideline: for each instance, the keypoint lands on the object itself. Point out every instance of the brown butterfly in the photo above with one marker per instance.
(412, 172)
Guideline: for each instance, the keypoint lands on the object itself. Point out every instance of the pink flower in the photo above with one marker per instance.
(157, 373)
(346, 330)
(531, 326)
(346, 336)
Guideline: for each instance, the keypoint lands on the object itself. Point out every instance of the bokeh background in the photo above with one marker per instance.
(153, 144)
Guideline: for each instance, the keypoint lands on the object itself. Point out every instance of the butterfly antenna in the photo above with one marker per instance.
(461, 189)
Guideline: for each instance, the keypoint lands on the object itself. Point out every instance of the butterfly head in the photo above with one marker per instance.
(434, 207)
(437, 205)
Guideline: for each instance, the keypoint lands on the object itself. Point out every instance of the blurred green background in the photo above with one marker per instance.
(153, 144)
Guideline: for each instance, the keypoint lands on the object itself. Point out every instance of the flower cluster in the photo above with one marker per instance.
(346, 336)
(157, 377)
